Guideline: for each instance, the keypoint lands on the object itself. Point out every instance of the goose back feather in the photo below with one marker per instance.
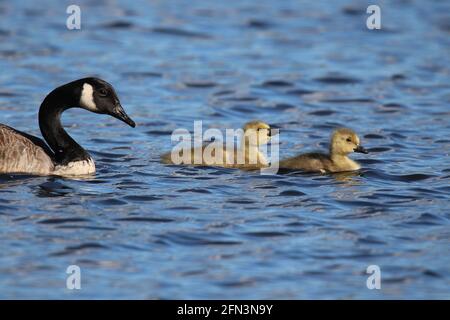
(22, 153)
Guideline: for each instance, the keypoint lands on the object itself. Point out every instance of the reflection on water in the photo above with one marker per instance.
(140, 229)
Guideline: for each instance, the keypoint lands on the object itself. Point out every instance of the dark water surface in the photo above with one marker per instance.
(140, 229)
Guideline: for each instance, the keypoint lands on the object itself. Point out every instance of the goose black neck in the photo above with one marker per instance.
(64, 147)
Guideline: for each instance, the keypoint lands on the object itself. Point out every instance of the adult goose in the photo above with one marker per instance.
(343, 142)
(23, 153)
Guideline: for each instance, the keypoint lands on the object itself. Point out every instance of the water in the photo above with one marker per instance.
(140, 229)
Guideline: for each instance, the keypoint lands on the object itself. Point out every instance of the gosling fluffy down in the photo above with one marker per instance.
(246, 156)
(343, 142)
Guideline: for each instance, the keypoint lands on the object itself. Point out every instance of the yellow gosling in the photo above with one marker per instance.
(246, 156)
(343, 142)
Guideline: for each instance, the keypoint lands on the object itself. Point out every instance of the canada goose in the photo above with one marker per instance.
(247, 156)
(343, 142)
(23, 153)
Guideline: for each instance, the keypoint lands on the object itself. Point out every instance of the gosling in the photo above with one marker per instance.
(246, 156)
(343, 142)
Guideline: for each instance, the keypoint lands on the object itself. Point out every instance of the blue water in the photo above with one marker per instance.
(140, 229)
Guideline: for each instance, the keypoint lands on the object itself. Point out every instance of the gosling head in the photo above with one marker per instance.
(257, 133)
(97, 95)
(345, 141)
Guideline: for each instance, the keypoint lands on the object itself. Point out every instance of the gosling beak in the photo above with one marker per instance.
(361, 149)
(120, 114)
(273, 131)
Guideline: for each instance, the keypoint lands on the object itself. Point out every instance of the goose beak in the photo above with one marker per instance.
(120, 114)
(361, 149)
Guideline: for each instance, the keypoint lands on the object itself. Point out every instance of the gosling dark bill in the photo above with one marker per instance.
(361, 149)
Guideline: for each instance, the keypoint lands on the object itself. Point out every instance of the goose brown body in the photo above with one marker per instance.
(20, 152)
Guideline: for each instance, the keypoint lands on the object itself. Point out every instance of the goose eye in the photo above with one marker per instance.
(349, 140)
(103, 92)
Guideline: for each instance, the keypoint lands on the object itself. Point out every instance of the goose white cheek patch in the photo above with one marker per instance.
(87, 98)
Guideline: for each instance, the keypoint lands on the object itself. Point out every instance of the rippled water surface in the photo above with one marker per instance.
(140, 229)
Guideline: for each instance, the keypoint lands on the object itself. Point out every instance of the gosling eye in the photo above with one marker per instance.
(103, 92)
(349, 140)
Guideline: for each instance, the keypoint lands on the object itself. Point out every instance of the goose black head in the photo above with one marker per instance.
(99, 96)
